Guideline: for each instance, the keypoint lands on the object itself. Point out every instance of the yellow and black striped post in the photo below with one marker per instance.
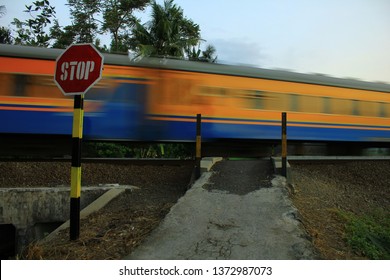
(198, 154)
(77, 136)
(284, 144)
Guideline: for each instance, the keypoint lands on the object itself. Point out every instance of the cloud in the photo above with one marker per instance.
(238, 51)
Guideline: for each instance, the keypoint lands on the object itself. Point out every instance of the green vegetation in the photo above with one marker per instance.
(31, 32)
(168, 33)
(369, 234)
(117, 150)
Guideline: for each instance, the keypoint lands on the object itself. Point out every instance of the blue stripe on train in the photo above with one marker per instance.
(113, 123)
(117, 122)
(35, 122)
(174, 130)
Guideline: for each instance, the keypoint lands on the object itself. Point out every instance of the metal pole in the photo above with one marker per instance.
(77, 135)
(198, 144)
(284, 144)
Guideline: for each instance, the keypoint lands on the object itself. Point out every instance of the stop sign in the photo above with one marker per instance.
(78, 68)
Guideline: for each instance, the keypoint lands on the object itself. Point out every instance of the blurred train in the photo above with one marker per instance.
(157, 99)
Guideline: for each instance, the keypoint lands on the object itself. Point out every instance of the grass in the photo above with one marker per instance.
(118, 150)
(369, 234)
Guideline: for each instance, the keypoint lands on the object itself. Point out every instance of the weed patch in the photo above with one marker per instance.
(368, 235)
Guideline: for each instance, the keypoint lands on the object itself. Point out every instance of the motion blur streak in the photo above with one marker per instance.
(157, 99)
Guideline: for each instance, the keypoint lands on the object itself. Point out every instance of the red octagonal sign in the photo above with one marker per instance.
(78, 68)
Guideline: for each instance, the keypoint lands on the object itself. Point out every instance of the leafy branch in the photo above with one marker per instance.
(32, 32)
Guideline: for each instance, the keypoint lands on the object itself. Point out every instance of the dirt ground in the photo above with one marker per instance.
(321, 189)
(113, 232)
(119, 227)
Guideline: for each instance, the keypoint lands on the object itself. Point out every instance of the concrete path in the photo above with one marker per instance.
(238, 210)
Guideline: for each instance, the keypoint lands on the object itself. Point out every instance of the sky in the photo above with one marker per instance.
(340, 38)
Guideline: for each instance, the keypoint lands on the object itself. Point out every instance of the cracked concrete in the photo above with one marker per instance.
(218, 219)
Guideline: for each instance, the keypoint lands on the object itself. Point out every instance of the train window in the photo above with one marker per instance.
(369, 109)
(382, 109)
(341, 106)
(213, 96)
(251, 99)
(386, 110)
(326, 105)
(20, 84)
(276, 101)
(294, 102)
(258, 100)
(42, 86)
(311, 104)
(355, 107)
(212, 91)
(7, 85)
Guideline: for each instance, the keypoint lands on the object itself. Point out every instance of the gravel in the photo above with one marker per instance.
(52, 174)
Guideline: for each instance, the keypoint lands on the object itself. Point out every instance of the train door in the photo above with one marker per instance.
(122, 110)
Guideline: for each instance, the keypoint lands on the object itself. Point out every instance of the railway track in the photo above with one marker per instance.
(125, 161)
(56, 172)
(48, 146)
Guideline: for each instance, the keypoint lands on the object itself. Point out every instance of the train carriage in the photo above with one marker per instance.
(157, 99)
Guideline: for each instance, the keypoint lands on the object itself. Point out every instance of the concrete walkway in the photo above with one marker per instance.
(235, 211)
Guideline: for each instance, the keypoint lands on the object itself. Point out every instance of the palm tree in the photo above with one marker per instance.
(169, 33)
(208, 55)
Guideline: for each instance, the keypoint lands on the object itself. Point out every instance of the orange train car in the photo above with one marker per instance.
(157, 99)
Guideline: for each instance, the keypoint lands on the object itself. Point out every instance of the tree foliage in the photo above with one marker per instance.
(5, 33)
(119, 20)
(63, 36)
(208, 55)
(32, 31)
(168, 33)
(5, 36)
(85, 26)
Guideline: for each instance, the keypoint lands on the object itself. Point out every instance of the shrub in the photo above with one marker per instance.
(124, 150)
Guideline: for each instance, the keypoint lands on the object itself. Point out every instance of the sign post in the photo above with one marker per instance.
(75, 173)
(284, 144)
(78, 68)
(198, 155)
